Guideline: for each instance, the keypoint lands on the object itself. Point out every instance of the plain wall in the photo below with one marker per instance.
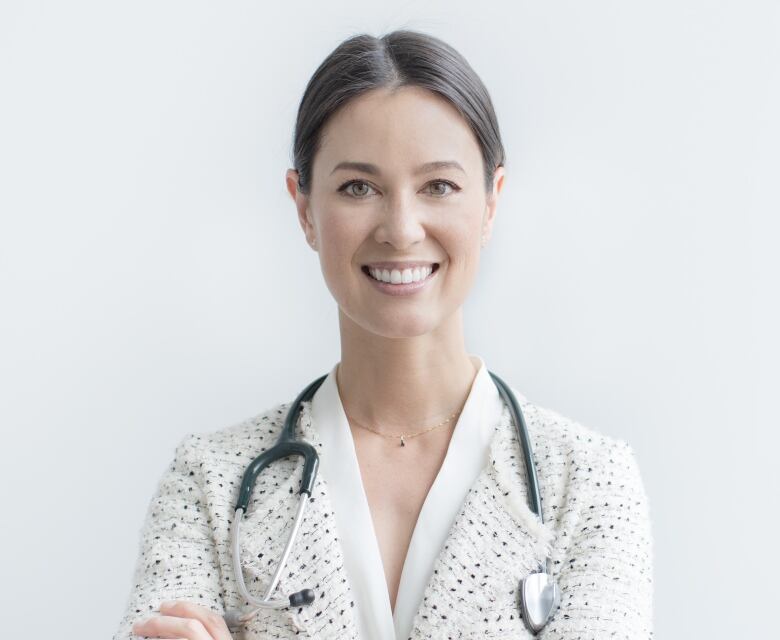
(154, 280)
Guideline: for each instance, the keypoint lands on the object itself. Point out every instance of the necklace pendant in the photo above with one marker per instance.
(403, 444)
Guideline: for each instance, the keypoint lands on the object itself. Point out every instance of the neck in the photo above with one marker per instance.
(402, 385)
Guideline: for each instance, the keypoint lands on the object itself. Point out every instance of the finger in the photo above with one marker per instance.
(212, 622)
(171, 626)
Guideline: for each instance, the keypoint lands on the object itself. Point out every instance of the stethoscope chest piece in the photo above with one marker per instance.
(539, 598)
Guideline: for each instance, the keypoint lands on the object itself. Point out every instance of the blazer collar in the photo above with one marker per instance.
(486, 565)
(495, 541)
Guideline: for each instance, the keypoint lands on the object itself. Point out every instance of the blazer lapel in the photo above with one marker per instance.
(494, 542)
(315, 562)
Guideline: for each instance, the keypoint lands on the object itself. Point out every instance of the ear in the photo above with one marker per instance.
(302, 205)
(491, 204)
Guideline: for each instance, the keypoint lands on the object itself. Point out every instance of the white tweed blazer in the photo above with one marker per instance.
(596, 529)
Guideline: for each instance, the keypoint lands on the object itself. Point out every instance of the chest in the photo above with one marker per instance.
(397, 480)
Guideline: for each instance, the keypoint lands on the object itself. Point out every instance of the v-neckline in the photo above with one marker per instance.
(362, 558)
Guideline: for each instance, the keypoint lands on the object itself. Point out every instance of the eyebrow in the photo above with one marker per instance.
(367, 167)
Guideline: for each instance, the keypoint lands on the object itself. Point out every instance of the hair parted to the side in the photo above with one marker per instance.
(400, 58)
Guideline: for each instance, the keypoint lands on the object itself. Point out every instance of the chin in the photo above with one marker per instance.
(397, 328)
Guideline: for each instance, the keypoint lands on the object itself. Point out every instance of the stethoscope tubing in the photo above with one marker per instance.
(287, 445)
(522, 433)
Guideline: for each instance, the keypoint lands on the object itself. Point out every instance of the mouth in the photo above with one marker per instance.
(367, 271)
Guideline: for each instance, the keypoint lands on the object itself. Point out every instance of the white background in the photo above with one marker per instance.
(154, 280)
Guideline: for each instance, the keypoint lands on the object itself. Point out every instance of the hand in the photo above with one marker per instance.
(184, 621)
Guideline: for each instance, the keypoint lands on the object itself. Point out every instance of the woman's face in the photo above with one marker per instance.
(373, 200)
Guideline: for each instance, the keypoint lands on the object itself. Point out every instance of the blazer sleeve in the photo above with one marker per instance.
(177, 559)
(606, 576)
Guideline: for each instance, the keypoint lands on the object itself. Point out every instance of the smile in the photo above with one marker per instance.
(397, 286)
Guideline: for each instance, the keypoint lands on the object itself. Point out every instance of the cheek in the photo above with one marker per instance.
(464, 237)
(339, 244)
(462, 247)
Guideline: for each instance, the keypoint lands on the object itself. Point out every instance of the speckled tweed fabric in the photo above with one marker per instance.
(597, 528)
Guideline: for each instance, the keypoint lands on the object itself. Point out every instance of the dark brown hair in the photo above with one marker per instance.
(400, 58)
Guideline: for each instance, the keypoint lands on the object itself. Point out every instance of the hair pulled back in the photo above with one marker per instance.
(400, 58)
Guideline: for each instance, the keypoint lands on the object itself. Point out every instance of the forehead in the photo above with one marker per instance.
(400, 128)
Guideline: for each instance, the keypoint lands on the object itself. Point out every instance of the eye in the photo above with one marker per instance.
(344, 188)
(446, 183)
(437, 184)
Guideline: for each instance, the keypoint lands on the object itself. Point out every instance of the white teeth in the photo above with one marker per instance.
(396, 276)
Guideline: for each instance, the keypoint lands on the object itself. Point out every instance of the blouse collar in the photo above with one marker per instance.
(467, 455)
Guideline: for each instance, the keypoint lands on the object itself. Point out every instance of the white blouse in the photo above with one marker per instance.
(466, 456)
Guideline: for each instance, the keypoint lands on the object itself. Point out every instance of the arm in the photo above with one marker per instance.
(178, 558)
(606, 576)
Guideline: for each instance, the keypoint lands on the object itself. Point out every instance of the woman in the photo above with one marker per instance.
(418, 525)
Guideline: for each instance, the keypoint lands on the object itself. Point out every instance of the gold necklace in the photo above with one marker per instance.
(403, 435)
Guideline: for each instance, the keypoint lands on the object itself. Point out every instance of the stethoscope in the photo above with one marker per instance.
(539, 592)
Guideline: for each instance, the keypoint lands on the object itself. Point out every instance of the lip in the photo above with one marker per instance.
(401, 265)
(401, 289)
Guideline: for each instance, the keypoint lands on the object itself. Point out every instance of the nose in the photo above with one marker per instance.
(400, 223)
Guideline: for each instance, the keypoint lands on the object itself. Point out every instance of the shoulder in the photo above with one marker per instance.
(234, 443)
(565, 446)
(589, 481)
(568, 434)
